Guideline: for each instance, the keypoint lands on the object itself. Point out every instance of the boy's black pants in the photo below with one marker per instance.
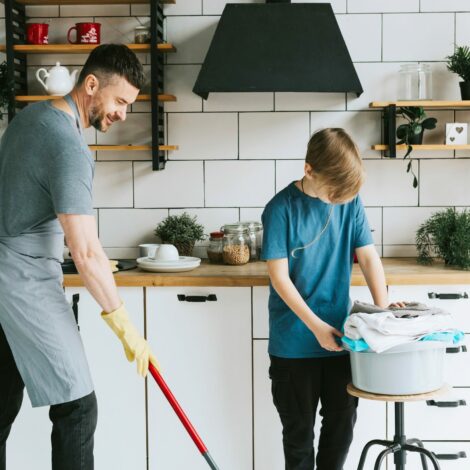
(297, 387)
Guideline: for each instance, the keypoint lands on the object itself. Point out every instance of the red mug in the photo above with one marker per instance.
(87, 33)
(37, 33)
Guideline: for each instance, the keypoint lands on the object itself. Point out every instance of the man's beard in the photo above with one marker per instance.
(96, 119)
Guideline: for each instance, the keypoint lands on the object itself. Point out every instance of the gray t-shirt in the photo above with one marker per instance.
(46, 168)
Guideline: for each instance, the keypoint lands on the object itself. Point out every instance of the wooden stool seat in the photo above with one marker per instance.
(400, 444)
(356, 392)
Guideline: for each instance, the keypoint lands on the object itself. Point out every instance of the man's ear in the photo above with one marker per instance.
(91, 84)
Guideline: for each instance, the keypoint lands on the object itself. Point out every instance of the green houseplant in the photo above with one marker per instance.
(180, 230)
(411, 132)
(459, 63)
(446, 234)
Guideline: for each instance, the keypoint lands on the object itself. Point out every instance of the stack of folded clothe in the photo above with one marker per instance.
(371, 328)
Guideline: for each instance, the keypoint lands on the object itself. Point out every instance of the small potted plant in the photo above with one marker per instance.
(182, 231)
(411, 132)
(445, 234)
(459, 63)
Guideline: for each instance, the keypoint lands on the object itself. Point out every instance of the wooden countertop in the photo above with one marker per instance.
(397, 271)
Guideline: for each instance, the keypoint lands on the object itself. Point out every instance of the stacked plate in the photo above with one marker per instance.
(184, 263)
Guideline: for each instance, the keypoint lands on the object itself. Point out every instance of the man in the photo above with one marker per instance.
(46, 173)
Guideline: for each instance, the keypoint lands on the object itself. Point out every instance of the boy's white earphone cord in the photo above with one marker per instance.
(317, 237)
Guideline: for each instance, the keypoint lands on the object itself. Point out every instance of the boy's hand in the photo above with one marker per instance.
(326, 336)
(398, 304)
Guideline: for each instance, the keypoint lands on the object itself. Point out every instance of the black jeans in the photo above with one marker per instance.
(297, 387)
(73, 423)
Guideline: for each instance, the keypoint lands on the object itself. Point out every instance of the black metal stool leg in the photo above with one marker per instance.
(426, 452)
(424, 464)
(366, 448)
(383, 454)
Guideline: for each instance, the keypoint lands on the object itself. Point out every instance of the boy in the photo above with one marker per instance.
(312, 228)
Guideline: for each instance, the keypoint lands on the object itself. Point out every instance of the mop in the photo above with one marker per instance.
(182, 416)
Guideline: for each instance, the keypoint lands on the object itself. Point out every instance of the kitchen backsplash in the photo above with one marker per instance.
(237, 150)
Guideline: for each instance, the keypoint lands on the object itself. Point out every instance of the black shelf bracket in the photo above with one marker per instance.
(156, 85)
(15, 33)
(389, 129)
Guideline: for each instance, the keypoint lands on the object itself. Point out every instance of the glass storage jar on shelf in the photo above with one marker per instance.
(236, 250)
(216, 247)
(415, 82)
(255, 232)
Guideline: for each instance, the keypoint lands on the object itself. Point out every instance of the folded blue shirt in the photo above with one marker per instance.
(360, 345)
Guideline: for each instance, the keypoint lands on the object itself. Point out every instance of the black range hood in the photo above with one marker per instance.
(280, 47)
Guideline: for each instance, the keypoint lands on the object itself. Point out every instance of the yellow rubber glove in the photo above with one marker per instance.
(135, 346)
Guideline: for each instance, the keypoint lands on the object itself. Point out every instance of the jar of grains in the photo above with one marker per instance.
(236, 248)
(255, 232)
(215, 248)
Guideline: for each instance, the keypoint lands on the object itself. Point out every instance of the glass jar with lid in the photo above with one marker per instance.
(236, 245)
(255, 232)
(216, 247)
(415, 82)
(142, 34)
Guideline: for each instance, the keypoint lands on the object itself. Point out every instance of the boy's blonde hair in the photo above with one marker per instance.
(335, 160)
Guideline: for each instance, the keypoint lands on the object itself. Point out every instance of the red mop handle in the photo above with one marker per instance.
(178, 410)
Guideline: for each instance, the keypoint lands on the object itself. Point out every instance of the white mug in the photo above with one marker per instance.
(148, 249)
(166, 253)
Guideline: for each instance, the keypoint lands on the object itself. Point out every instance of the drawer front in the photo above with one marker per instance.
(459, 307)
(260, 312)
(437, 423)
(457, 366)
(457, 453)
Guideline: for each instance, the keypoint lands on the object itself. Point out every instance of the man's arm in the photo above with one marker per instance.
(371, 267)
(90, 259)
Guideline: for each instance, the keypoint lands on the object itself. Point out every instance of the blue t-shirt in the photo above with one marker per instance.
(321, 272)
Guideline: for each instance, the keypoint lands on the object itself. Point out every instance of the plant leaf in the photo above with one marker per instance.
(429, 123)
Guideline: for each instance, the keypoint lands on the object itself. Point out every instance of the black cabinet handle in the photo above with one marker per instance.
(456, 349)
(435, 295)
(197, 298)
(446, 404)
(456, 456)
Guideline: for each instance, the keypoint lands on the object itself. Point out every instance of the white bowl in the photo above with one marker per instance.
(166, 253)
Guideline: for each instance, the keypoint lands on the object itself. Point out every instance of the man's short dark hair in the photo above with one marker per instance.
(108, 60)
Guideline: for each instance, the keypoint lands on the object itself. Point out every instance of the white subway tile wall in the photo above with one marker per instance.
(237, 150)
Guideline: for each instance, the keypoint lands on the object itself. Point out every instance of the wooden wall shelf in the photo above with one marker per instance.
(34, 98)
(423, 103)
(130, 148)
(423, 147)
(164, 47)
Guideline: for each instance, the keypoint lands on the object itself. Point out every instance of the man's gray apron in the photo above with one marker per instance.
(37, 319)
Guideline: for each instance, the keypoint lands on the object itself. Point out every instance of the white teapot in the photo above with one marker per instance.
(58, 80)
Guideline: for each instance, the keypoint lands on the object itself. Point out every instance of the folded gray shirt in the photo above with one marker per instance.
(411, 310)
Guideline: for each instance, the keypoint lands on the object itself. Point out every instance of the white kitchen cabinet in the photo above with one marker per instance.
(457, 365)
(205, 352)
(268, 453)
(459, 308)
(460, 449)
(433, 423)
(260, 312)
(120, 435)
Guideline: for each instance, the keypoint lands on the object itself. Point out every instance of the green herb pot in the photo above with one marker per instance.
(465, 90)
(416, 139)
(185, 248)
